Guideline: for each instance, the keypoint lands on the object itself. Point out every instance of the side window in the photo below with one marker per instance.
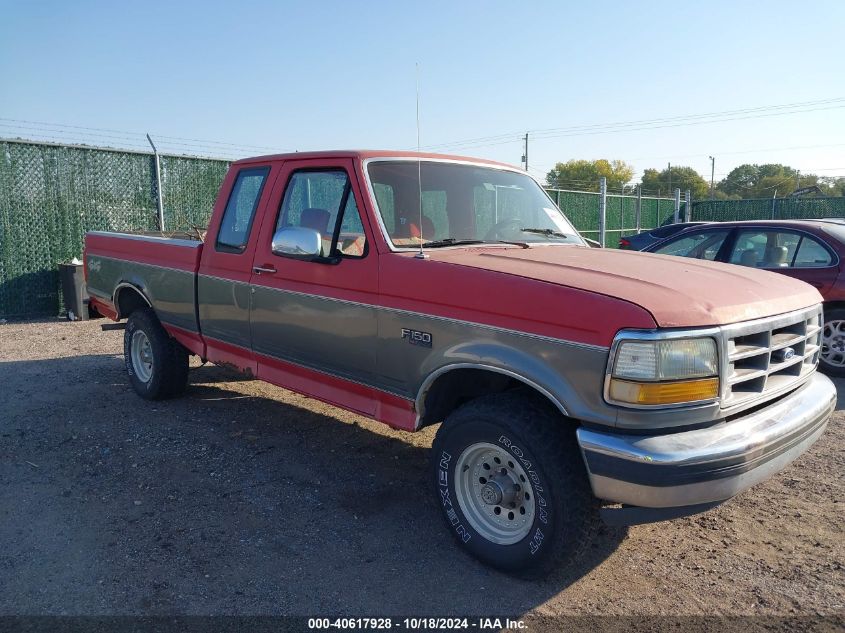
(811, 254)
(323, 201)
(702, 245)
(763, 248)
(240, 209)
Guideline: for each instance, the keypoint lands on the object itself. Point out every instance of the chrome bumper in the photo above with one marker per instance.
(707, 465)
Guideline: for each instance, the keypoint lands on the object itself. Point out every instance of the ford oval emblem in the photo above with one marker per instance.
(783, 355)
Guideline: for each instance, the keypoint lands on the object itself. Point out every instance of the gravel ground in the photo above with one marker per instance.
(243, 498)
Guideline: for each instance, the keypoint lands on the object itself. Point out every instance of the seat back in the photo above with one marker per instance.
(748, 258)
(427, 232)
(776, 256)
(315, 219)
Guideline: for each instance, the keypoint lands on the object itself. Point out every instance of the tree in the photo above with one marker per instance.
(765, 181)
(682, 178)
(832, 186)
(584, 174)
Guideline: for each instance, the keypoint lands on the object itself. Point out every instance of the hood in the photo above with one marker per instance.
(678, 292)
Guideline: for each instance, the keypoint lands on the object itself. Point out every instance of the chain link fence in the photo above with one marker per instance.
(768, 209)
(582, 209)
(50, 195)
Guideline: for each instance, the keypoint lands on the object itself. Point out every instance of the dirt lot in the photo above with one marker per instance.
(242, 498)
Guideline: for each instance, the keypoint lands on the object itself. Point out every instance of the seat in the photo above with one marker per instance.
(315, 219)
(748, 258)
(776, 257)
(427, 229)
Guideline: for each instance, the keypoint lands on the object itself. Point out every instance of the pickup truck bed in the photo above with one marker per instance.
(161, 270)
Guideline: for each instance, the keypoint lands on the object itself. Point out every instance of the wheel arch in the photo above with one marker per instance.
(833, 305)
(448, 387)
(127, 298)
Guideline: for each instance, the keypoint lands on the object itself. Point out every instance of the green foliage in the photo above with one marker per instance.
(766, 181)
(584, 174)
(682, 178)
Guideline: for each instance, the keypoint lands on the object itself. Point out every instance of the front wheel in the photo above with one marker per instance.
(832, 355)
(512, 486)
(157, 364)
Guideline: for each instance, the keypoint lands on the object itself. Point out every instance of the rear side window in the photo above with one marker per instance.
(240, 209)
(811, 254)
(768, 248)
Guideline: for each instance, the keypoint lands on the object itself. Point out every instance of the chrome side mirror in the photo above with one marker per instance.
(297, 242)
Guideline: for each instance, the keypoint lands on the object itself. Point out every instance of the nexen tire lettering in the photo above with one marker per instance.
(443, 479)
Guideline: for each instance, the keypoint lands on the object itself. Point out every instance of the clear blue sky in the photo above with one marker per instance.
(302, 75)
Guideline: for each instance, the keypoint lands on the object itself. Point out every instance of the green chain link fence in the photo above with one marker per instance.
(582, 209)
(50, 195)
(768, 209)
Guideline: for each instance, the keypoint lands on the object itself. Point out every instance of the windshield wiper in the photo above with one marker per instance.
(548, 232)
(449, 241)
(453, 241)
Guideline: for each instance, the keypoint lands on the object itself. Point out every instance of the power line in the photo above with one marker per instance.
(644, 124)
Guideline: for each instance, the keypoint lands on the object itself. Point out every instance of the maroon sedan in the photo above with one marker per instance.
(809, 250)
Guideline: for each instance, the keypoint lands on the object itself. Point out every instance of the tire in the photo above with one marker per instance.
(832, 356)
(536, 448)
(156, 363)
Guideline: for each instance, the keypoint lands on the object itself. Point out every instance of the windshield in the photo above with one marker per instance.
(464, 203)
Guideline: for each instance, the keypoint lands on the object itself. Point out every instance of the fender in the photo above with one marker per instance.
(545, 373)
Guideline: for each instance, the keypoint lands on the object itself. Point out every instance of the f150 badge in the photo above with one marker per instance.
(415, 337)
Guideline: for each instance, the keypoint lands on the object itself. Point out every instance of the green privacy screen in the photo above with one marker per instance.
(768, 209)
(50, 195)
(582, 209)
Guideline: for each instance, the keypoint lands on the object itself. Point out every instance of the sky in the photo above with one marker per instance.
(243, 78)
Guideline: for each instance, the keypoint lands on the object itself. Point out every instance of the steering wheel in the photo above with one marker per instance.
(504, 230)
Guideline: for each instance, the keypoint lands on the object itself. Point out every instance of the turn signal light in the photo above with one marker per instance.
(653, 393)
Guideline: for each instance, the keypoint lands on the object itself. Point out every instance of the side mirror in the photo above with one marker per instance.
(297, 242)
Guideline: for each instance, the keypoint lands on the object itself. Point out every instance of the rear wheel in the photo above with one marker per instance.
(157, 364)
(512, 486)
(832, 355)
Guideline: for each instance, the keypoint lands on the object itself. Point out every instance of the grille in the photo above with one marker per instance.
(771, 355)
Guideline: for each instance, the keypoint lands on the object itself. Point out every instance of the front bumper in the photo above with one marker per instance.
(710, 465)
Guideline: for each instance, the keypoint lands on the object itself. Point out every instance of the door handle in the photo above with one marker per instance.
(259, 269)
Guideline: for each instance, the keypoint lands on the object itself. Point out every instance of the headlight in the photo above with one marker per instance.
(664, 372)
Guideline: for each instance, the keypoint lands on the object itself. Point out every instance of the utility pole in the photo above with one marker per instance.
(525, 155)
(712, 174)
(669, 169)
(798, 180)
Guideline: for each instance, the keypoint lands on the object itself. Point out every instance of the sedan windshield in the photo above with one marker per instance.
(464, 204)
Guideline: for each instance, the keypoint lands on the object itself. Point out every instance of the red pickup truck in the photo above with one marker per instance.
(418, 289)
